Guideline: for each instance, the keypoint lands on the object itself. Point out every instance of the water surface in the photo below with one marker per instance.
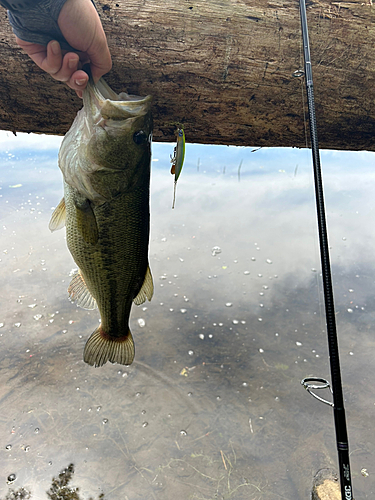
(212, 407)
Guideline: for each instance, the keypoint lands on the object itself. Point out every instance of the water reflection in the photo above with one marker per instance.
(60, 488)
(212, 406)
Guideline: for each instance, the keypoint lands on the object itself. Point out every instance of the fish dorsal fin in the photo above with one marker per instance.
(58, 217)
(86, 222)
(147, 290)
(79, 293)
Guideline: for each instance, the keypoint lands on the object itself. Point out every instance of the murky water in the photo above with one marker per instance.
(212, 407)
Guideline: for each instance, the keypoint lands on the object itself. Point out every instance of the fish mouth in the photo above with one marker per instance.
(111, 110)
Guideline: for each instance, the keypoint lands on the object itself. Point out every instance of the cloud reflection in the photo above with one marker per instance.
(211, 381)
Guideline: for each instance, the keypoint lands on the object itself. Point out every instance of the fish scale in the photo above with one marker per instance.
(106, 169)
(117, 255)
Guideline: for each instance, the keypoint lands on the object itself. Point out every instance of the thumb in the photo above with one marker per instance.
(100, 58)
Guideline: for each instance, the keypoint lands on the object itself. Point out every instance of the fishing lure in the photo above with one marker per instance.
(177, 159)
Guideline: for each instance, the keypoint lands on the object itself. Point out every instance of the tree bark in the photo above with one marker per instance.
(221, 68)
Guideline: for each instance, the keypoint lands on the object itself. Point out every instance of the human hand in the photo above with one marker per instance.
(80, 24)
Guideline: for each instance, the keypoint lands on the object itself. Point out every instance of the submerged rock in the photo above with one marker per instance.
(326, 486)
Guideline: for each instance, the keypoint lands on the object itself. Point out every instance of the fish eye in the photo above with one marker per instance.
(140, 137)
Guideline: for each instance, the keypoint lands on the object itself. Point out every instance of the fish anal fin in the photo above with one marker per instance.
(101, 348)
(86, 222)
(147, 290)
(79, 292)
(58, 217)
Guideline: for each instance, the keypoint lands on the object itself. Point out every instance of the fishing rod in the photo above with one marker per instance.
(338, 400)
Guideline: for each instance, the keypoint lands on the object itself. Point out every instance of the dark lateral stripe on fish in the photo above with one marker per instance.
(101, 348)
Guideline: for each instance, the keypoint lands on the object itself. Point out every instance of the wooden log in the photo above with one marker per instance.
(222, 68)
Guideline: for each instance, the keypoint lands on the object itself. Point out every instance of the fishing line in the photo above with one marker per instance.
(336, 386)
(299, 73)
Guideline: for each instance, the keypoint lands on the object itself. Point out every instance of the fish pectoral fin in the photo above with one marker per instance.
(101, 348)
(147, 290)
(86, 222)
(58, 217)
(79, 293)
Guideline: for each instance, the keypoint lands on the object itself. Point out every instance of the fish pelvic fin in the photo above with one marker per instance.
(101, 348)
(147, 290)
(58, 217)
(79, 293)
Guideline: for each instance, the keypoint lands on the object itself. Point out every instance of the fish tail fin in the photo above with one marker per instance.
(101, 348)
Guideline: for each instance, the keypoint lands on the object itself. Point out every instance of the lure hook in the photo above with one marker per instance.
(177, 159)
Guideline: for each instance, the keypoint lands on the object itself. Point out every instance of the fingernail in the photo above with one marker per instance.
(55, 47)
(82, 81)
(72, 63)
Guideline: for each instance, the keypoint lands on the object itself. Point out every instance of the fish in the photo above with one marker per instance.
(177, 159)
(105, 160)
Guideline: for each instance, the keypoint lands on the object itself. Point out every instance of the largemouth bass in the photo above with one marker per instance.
(105, 161)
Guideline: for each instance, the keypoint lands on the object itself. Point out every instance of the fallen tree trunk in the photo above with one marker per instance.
(221, 68)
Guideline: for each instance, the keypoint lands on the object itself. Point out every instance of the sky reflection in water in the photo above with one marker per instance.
(213, 403)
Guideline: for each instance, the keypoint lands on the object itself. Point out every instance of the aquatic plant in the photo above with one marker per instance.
(59, 490)
(20, 494)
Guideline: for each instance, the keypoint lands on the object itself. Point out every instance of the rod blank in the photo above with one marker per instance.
(338, 400)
